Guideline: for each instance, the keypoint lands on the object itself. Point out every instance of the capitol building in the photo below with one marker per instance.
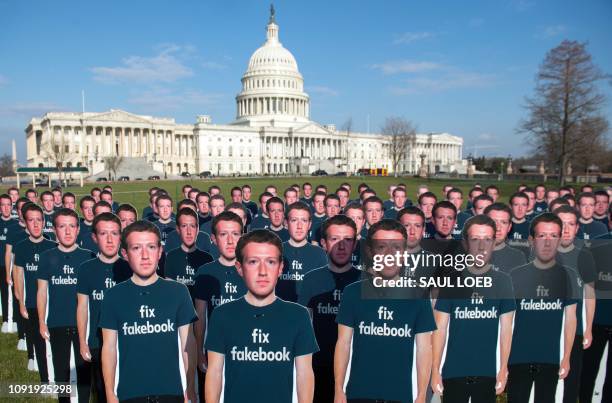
(272, 134)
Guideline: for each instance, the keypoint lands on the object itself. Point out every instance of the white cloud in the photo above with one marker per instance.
(552, 31)
(165, 67)
(322, 90)
(28, 110)
(451, 80)
(406, 66)
(409, 37)
(163, 99)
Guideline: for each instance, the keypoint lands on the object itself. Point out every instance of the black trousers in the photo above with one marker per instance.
(481, 389)
(17, 318)
(3, 293)
(38, 344)
(324, 384)
(571, 383)
(155, 399)
(522, 376)
(97, 379)
(62, 338)
(201, 384)
(591, 361)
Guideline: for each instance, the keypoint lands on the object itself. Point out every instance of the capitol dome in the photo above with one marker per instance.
(272, 86)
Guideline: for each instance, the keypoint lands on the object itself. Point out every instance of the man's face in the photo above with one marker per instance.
(227, 235)
(344, 197)
(388, 243)
(216, 207)
(19, 206)
(319, 206)
(422, 190)
(164, 209)
(493, 194)
(96, 195)
(480, 241)
(427, 204)
(47, 202)
(108, 238)
(246, 194)
(102, 209)
(126, 218)
(546, 241)
(214, 191)
(307, 191)
(298, 224)
(519, 207)
(5, 207)
(57, 197)
(475, 194)
(481, 205)
(503, 224)
(188, 230)
(186, 192)
(563, 192)
(32, 197)
(66, 230)
(69, 202)
(34, 223)
(551, 195)
(87, 210)
(532, 201)
(373, 213)
(390, 191)
(457, 199)
(272, 190)
(203, 206)
(240, 213)
(399, 199)
(107, 198)
(264, 201)
(261, 266)
(586, 207)
(192, 195)
(143, 253)
(14, 195)
(237, 196)
(415, 227)
(540, 192)
(358, 217)
(444, 221)
(569, 230)
(339, 244)
(291, 197)
(332, 208)
(601, 205)
(276, 211)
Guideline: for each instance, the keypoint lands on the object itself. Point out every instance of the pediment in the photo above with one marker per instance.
(312, 128)
(119, 116)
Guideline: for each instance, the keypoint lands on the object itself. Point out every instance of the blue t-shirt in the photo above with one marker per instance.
(182, 266)
(507, 259)
(260, 345)
(84, 239)
(430, 229)
(28, 256)
(519, 231)
(321, 292)
(48, 226)
(147, 320)
(540, 207)
(60, 270)
(217, 284)
(260, 222)
(473, 325)
(591, 230)
(174, 241)
(384, 332)
(5, 228)
(251, 206)
(165, 229)
(602, 256)
(297, 262)
(282, 233)
(541, 298)
(391, 213)
(94, 279)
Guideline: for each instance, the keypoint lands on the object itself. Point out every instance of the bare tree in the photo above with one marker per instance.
(6, 165)
(565, 108)
(56, 151)
(402, 135)
(112, 164)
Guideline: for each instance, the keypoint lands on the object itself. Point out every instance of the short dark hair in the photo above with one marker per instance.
(29, 206)
(258, 236)
(225, 216)
(529, 190)
(264, 194)
(566, 209)
(354, 206)
(86, 198)
(399, 189)
(165, 196)
(68, 194)
(545, 218)
(213, 187)
(45, 193)
(342, 189)
(319, 193)
(31, 191)
(105, 217)
(126, 207)
(519, 195)
(186, 211)
(499, 207)
(234, 189)
(102, 203)
(274, 199)
(559, 200)
(139, 226)
(481, 197)
(185, 187)
(65, 212)
(454, 190)
(602, 193)
(491, 187)
(298, 205)
(339, 219)
(331, 196)
(411, 210)
(106, 192)
(475, 189)
(431, 195)
(5, 196)
(289, 189)
(387, 224)
(481, 219)
(306, 184)
(444, 204)
(95, 189)
(185, 202)
(373, 199)
(218, 196)
(237, 206)
(202, 194)
(247, 186)
(109, 187)
(584, 195)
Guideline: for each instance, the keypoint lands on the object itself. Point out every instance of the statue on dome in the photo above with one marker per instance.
(272, 14)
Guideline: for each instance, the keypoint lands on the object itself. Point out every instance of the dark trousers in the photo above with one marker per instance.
(97, 379)
(481, 389)
(522, 376)
(201, 383)
(571, 383)
(62, 338)
(38, 344)
(3, 293)
(155, 399)
(591, 361)
(17, 318)
(324, 384)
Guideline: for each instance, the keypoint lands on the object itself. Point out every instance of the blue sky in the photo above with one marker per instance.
(462, 67)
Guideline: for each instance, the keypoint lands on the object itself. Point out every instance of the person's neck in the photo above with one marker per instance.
(245, 200)
(518, 220)
(36, 240)
(539, 200)
(227, 262)
(6, 218)
(254, 300)
(599, 217)
(499, 246)
(585, 220)
(437, 235)
(543, 265)
(340, 269)
(568, 248)
(165, 221)
(188, 249)
(108, 259)
(204, 214)
(65, 248)
(87, 222)
(47, 212)
(275, 228)
(136, 279)
(297, 244)
(478, 271)
(319, 215)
